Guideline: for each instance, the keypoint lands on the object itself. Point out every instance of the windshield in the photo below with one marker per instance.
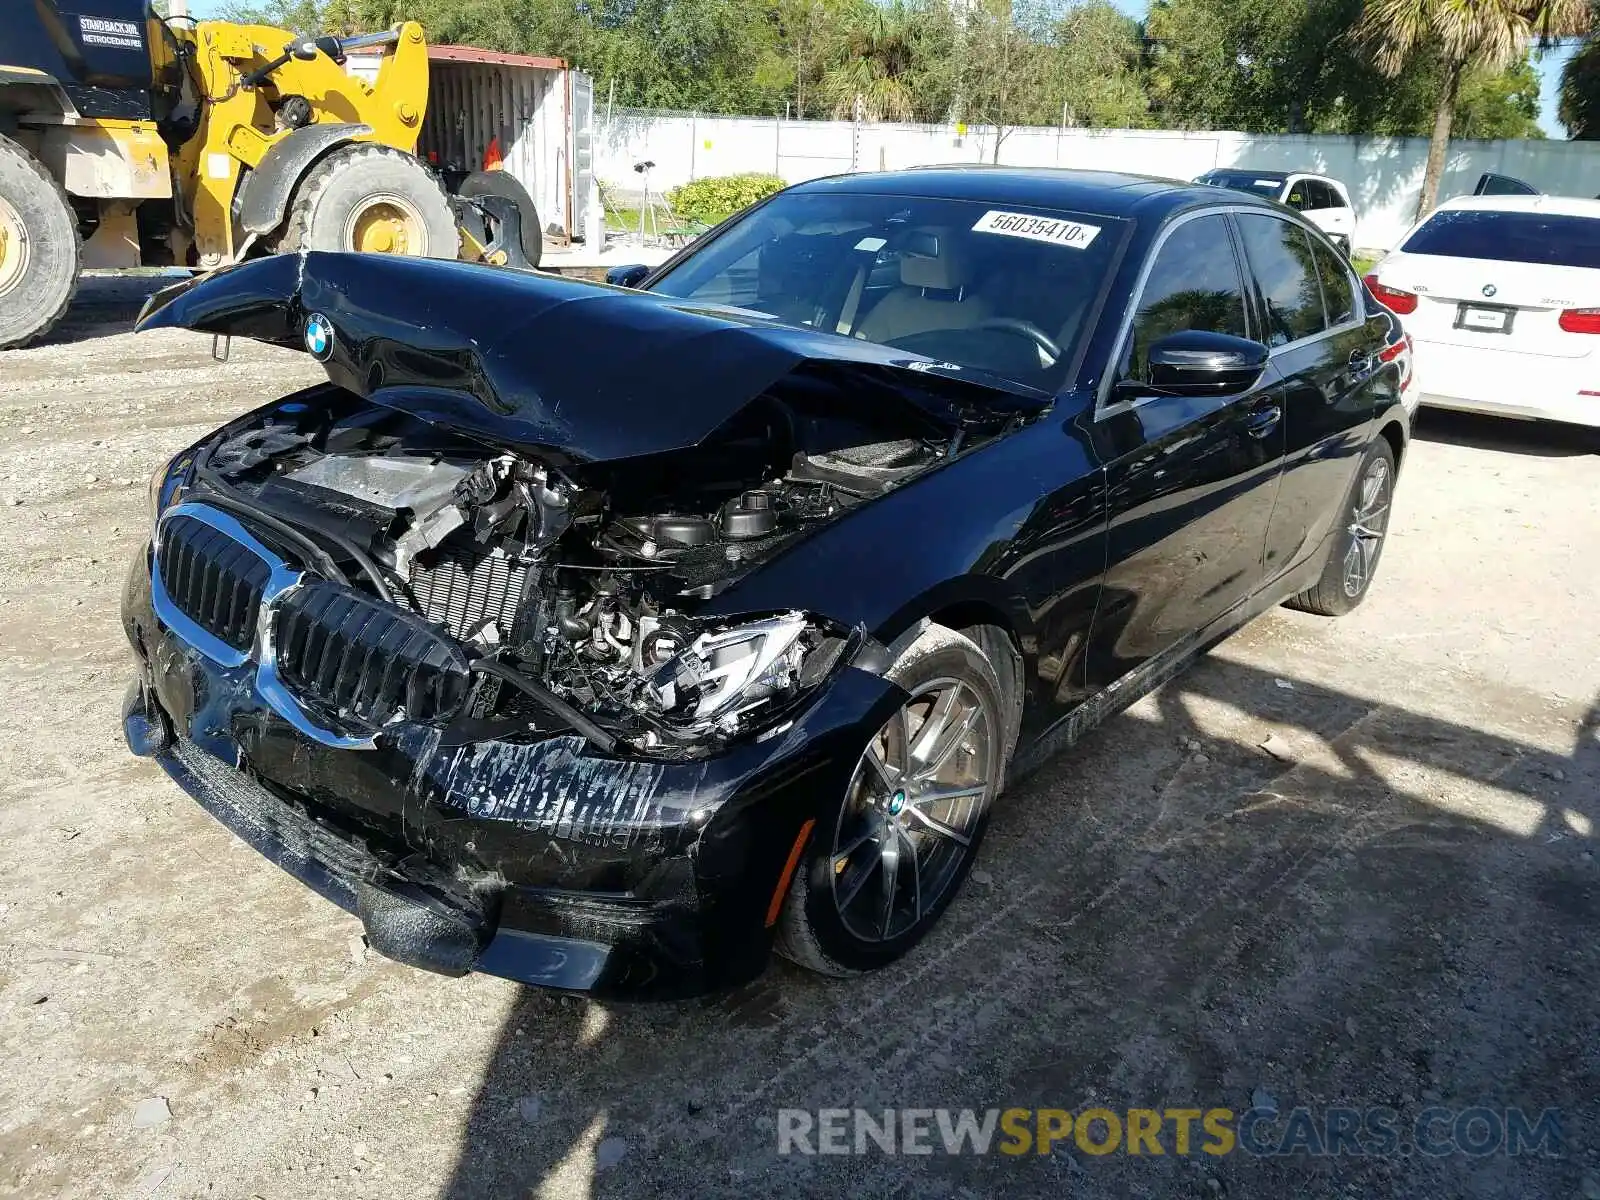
(1244, 181)
(1551, 239)
(1000, 288)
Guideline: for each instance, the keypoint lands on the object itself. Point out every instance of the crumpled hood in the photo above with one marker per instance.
(528, 360)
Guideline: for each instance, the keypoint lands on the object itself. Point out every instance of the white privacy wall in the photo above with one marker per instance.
(1384, 175)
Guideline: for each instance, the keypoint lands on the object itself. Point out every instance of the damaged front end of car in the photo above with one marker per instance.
(430, 635)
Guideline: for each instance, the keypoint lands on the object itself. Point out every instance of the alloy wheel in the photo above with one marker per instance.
(1367, 528)
(915, 802)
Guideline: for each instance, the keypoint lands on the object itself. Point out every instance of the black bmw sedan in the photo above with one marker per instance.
(608, 637)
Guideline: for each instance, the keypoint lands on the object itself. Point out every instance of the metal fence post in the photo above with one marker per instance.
(855, 136)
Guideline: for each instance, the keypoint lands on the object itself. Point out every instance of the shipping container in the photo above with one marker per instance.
(536, 112)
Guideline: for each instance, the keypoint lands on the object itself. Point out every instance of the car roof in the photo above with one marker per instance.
(1104, 193)
(1568, 206)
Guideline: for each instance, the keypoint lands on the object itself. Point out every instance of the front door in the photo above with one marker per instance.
(1190, 480)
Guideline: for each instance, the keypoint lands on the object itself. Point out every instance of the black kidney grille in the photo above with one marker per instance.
(357, 657)
(214, 581)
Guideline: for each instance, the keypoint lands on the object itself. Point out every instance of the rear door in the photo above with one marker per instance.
(1296, 195)
(1190, 480)
(1339, 217)
(1318, 207)
(1326, 349)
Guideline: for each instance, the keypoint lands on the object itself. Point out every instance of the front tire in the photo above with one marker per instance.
(373, 199)
(39, 248)
(887, 857)
(1357, 544)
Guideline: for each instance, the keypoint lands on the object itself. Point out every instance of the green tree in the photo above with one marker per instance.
(874, 65)
(1464, 36)
(809, 33)
(1500, 104)
(1579, 108)
(1263, 66)
(297, 16)
(1095, 74)
(1006, 67)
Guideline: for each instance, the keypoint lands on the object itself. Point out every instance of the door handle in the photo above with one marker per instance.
(1362, 365)
(1263, 420)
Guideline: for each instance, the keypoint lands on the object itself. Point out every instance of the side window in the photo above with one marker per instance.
(1297, 197)
(1279, 253)
(1338, 293)
(1321, 195)
(1337, 197)
(1193, 284)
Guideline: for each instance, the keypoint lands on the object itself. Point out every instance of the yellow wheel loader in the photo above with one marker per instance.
(131, 139)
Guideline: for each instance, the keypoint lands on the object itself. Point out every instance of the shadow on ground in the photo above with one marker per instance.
(1165, 917)
(1539, 439)
(107, 303)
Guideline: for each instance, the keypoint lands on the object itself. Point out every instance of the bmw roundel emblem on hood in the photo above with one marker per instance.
(319, 336)
(1489, 289)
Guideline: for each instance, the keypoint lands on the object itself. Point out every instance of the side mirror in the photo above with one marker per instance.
(1196, 362)
(631, 275)
(305, 49)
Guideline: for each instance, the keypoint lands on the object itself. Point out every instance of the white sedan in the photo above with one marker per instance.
(1501, 296)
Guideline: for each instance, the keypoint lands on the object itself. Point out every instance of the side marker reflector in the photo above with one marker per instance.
(782, 889)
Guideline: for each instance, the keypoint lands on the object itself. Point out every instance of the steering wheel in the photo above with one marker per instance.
(1025, 329)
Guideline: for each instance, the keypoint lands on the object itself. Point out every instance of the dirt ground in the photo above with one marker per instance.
(1401, 915)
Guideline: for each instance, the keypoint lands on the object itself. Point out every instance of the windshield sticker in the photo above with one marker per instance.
(1266, 183)
(1038, 229)
(871, 243)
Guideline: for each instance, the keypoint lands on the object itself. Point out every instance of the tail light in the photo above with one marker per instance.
(1581, 320)
(1401, 350)
(1391, 298)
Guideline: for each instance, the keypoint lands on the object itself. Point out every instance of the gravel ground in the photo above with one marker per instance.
(1398, 912)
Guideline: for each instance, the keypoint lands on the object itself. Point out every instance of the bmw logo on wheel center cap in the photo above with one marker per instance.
(319, 336)
(896, 803)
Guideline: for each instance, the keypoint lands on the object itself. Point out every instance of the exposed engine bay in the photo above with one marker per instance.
(570, 589)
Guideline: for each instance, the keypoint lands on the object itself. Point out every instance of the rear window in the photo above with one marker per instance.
(1550, 239)
(1244, 181)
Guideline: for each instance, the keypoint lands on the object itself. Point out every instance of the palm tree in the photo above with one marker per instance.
(1580, 92)
(874, 79)
(1467, 35)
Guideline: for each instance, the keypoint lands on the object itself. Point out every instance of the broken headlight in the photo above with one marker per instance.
(735, 679)
(169, 481)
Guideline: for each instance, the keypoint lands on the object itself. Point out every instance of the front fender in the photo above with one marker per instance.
(264, 195)
(1005, 529)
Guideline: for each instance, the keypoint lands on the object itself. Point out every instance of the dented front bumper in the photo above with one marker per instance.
(537, 859)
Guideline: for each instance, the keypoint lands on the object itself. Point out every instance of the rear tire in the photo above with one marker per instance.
(375, 199)
(40, 252)
(498, 183)
(887, 857)
(1355, 547)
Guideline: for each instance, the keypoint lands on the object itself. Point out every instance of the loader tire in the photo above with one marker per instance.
(39, 248)
(499, 183)
(375, 199)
